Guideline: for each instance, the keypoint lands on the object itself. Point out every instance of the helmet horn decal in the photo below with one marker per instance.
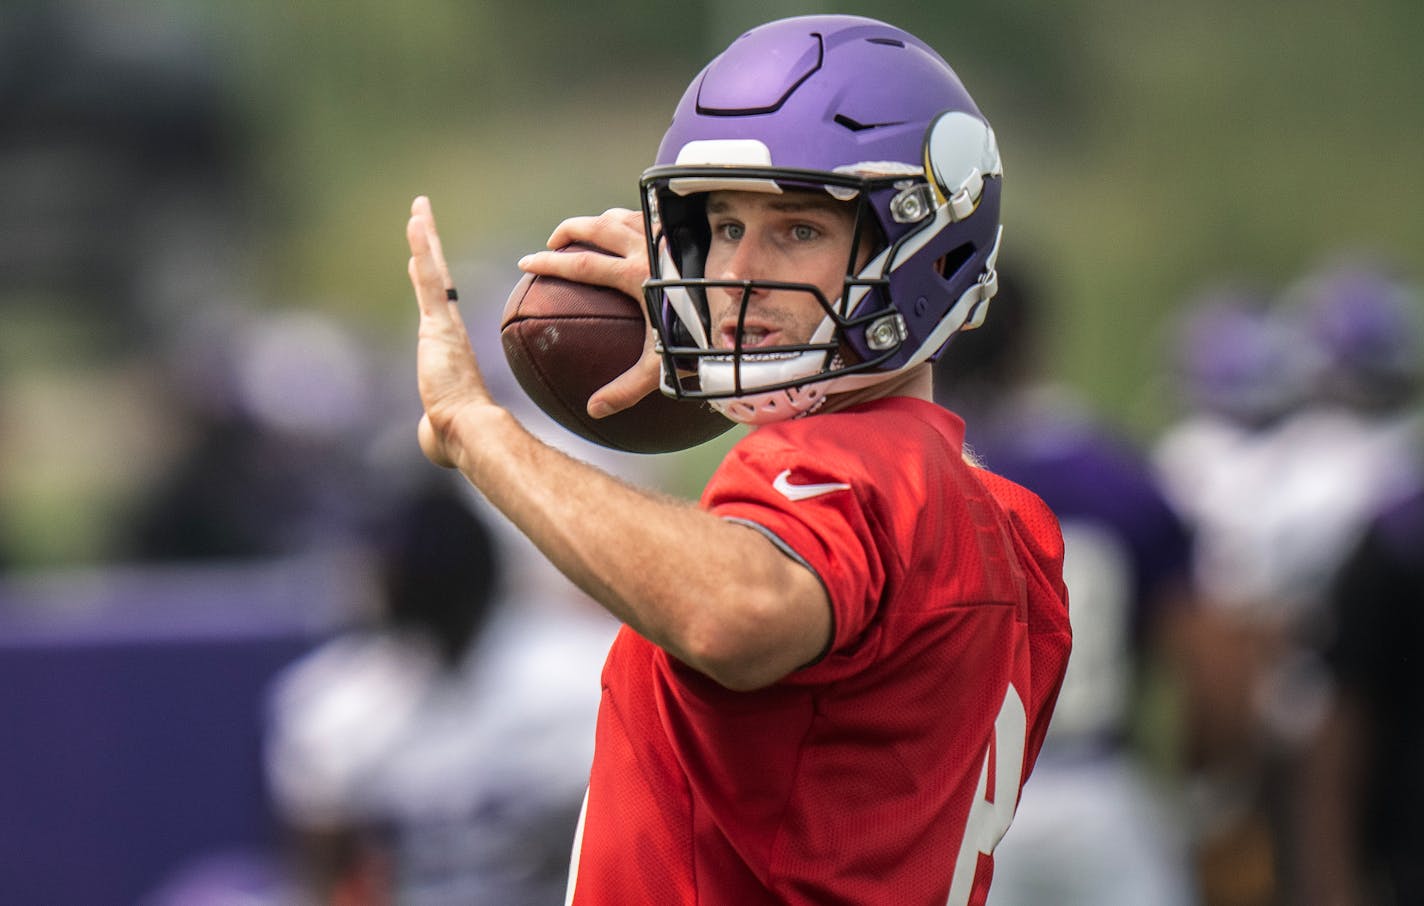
(960, 151)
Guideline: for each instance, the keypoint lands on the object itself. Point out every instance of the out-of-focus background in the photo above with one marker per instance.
(207, 406)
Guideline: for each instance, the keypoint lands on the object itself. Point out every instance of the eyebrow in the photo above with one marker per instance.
(790, 203)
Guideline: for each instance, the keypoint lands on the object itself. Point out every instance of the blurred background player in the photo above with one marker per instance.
(1361, 798)
(1095, 826)
(1299, 433)
(1361, 790)
(439, 755)
(269, 416)
(1241, 372)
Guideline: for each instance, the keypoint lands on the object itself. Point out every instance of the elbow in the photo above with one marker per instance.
(737, 674)
(741, 648)
(740, 676)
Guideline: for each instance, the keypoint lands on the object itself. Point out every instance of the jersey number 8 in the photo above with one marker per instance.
(989, 818)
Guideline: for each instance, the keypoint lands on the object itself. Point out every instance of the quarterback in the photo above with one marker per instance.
(835, 670)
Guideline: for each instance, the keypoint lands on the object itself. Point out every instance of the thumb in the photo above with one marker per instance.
(626, 389)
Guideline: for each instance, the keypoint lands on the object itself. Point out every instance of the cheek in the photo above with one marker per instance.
(809, 311)
(712, 267)
(832, 281)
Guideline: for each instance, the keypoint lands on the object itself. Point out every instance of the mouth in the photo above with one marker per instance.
(751, 337)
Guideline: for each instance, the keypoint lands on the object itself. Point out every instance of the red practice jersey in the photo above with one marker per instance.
(886, 771)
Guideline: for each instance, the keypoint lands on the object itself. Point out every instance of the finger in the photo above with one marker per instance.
(437, 249)
(424, 238)
(574, 229)
(628, 388)
(429, 274)
(586, 266)
(617, 230)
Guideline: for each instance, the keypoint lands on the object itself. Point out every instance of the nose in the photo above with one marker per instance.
(742, 263)
(745, 261)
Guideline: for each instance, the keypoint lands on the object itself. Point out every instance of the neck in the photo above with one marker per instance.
(917, 383)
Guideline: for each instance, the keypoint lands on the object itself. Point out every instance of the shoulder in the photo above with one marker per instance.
(1033, 524)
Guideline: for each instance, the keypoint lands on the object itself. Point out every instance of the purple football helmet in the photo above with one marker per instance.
(872, 116)
(1240, 359)
(1364, 323)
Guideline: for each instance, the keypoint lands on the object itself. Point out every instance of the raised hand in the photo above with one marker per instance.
(448, 374)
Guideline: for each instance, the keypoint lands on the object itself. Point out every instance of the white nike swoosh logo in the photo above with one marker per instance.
(790, 491)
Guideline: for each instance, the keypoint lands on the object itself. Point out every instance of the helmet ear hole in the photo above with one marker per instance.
(952, 261)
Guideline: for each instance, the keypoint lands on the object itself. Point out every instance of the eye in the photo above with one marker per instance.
(730, 230)
(803, 232)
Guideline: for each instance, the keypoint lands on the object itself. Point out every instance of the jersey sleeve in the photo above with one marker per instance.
(816, 504)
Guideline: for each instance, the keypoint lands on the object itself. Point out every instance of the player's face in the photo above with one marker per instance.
(795, 237)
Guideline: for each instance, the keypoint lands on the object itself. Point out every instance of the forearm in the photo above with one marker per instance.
(716, 595)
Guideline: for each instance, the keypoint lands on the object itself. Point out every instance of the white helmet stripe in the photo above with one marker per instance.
(682, 304)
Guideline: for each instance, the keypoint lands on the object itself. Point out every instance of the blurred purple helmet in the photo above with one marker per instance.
(1363, 322)
(872, 116)
(1238, 358)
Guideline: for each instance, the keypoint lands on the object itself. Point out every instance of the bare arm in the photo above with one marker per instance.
(716, 595)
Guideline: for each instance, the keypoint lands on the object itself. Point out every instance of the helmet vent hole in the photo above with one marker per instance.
(853, 125)
(893, 42)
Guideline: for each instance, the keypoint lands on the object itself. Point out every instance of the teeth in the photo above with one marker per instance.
(756, 356)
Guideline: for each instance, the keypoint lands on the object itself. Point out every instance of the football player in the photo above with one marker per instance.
(837, 669)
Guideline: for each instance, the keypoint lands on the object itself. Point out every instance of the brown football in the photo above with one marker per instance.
(564, 340)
